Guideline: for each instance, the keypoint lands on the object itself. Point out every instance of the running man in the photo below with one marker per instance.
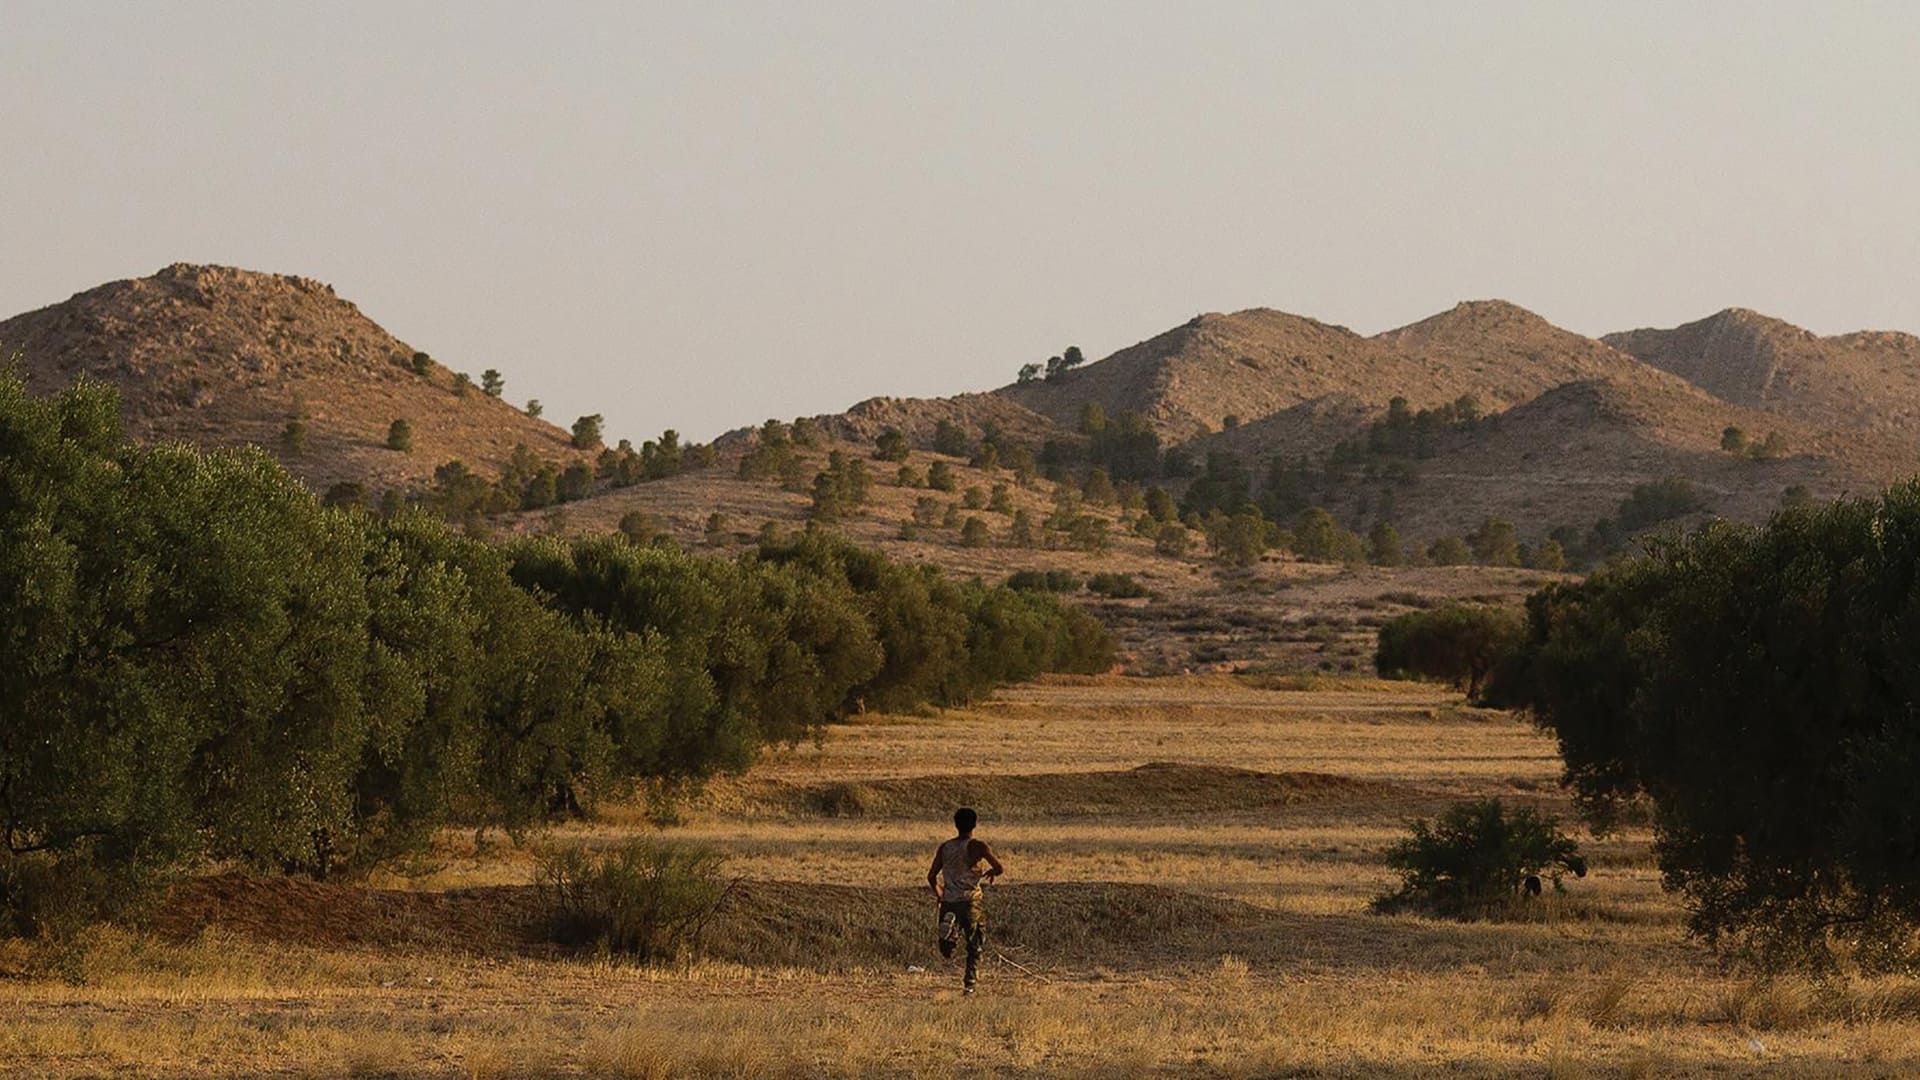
(954, 880)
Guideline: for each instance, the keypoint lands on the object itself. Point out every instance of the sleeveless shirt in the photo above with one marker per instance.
(959, 871)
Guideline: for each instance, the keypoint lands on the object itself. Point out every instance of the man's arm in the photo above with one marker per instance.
(933, 876)
(994, 869)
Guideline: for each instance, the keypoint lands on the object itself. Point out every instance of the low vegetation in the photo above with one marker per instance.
(1476, 859)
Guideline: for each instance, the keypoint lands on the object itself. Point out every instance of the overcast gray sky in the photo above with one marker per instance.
(702, 215)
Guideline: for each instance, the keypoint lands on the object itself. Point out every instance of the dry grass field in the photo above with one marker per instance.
(1190, 862)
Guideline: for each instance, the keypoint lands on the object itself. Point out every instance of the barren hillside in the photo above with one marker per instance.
(1864, 381)
(223, 357)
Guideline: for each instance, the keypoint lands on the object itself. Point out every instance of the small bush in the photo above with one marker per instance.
(646, 899)
(1116, 586)
(1043, 581)
(1476, 858)
(400, 436)
(847, 799)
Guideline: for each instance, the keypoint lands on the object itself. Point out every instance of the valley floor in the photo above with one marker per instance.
(1190, 862)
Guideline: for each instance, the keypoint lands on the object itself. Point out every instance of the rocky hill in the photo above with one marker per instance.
(1865, 381)
(224, 357)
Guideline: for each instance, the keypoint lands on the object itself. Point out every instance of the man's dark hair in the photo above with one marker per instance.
(965, 819)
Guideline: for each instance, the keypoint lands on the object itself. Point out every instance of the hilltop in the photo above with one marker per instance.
(219, 356)
(1865, 381)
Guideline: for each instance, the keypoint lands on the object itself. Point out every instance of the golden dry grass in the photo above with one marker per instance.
(1234, 940)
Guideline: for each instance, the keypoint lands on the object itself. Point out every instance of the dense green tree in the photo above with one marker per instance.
(586, 432)
(890, 445)
(492, 382)
(1460, 643)
(400, 436)
(1756, 686)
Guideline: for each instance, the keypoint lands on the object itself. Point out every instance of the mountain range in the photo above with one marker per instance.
(221, 356)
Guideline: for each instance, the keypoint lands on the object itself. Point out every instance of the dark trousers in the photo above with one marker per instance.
(971, 917)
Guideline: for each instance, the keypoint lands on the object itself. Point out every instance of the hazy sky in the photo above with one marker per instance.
(700, 215)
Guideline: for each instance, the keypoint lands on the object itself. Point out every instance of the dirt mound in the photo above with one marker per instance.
(492, 921)
(760, 923)
(223, 357)
(1154, 789)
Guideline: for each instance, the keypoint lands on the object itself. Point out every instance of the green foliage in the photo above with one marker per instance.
(974, 498)
(1459, 643)
(1098, 487)
(772, 453)
(1058, 366)
(1317, 537)
(1127, 447)
(422, 364)
(1029, 374)
(1495, 543)
(951, 439)
(1021, 532)
(1238, 539)
(646, 899)
(492, 383)
(940, 477)
(1476, 859)
(1756, 686)
(1116, 586)
(1383, 546)
(1548, 555)
(1733, 440)
(975, 534)
(293, 437)
(205, 663)
(1093, 419)
(534, 408)
(1449, 551)
(346, 495)
(841, 488)
(890, 445)
(1662, 500)
(462, 384)
(1223, 487)
(1059, 581)
(1001, 501)
(400, 436)
(1172, 539)
(586, 431)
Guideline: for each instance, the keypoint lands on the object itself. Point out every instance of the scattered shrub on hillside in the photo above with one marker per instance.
(1733, 440)
(1771, 448)
(1383, 545)
(975, 534)
(1116, 586)
(890, 445)
(1058, 581)
(951, 439)
(1058, 366)
(771, 455)
(1495, 543)
(1237, 540)
(462, 384)
(534, 408)
(1001, 501)
(1547, 555)
(1476, 859)
(638, 527)
(910, 477)
(1658, 501)
(647, 899)
(717, 533)
(1028, 374)
(492, 383)
(586, 431)
(1021, 532)
(1172, 539)
(1098, 487)
(400, 436)
(940, 477)
(840, 489)
(422, 363)
(1317, 537)
(974, 498)
(1459, 643)
(293, 437)
(1449, 551)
